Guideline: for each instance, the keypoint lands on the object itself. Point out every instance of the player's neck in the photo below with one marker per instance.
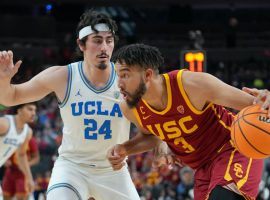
(95, 76)
(19, 123)
(156, 95)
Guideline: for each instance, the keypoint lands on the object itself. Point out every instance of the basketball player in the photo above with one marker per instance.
(185, 109)
(14, 177)
(15, 136)
(89, 105)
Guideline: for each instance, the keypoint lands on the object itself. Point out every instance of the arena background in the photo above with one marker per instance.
(230, 39)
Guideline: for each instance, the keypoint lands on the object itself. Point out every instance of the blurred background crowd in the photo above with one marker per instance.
(233, 35)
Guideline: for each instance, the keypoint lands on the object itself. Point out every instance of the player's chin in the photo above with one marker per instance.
(102, 65)
(115, 168)
(31, 120)
(131, 104)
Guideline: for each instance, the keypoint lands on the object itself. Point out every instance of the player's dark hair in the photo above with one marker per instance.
(91, 18)
(142, 55)
(16, 108)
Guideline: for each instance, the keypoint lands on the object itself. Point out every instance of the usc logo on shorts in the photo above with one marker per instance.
(238, 170)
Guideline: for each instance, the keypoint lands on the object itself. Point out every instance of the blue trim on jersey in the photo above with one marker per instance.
(69, 186)
(91, 87)
(61, 105)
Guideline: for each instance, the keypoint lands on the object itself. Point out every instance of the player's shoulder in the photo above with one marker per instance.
(4, 119)
(173, 73)
(4, 125)
(57, 68)
(193, 78)
(127, 111)
(182, 75)
(54, 73)
(124, 107)
(64, 69)
(193, 75)
(29, 132)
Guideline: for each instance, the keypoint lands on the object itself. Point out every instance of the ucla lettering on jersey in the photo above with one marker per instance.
(11, 140)
(94, 108)
(93, 121)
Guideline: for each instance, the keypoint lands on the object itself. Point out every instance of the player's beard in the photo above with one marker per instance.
(102, 66)
(137, 95)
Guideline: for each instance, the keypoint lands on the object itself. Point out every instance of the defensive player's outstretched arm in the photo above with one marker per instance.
(50, 80)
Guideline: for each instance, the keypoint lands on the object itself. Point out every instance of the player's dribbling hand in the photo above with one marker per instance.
(261, 97)
(7, 67)
(117, 156)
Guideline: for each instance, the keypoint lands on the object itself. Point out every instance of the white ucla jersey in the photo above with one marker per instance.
(11, 141)
(93, 121)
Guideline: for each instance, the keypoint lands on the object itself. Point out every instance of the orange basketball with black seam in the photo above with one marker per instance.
(250, 132)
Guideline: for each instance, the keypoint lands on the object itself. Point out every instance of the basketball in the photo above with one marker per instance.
(250, 132)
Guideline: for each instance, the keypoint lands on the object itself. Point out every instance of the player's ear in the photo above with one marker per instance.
(80, 45)
(149, 73)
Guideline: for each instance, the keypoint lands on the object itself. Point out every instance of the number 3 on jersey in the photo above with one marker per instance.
(92, 130)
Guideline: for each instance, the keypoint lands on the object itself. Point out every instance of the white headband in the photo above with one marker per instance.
(88, 30)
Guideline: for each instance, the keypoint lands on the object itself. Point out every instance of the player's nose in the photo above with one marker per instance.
(103, 46)
(120, 84)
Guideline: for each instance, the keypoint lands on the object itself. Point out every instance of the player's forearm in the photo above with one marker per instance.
(234, 98)
(221, 93)
(8, 94)
(141, 143)
(24, 166)
(34, 160)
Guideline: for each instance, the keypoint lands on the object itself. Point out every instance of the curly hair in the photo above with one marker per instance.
(16, 108)
(141, 55)
(91, 18)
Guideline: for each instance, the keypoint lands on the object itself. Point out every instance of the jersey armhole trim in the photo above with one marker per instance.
(184, 95)
(68, 88)
(9, 126)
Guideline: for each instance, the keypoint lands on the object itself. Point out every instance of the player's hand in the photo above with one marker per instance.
(261, 97)
(163, 156)
(8, 163)
(167, 159)
(117, 156)
(7, 67)
(162, 160)
(29, 184)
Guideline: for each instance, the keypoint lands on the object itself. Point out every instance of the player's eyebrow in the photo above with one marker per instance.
(100, 37)
(97, 36)
(124, 69)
